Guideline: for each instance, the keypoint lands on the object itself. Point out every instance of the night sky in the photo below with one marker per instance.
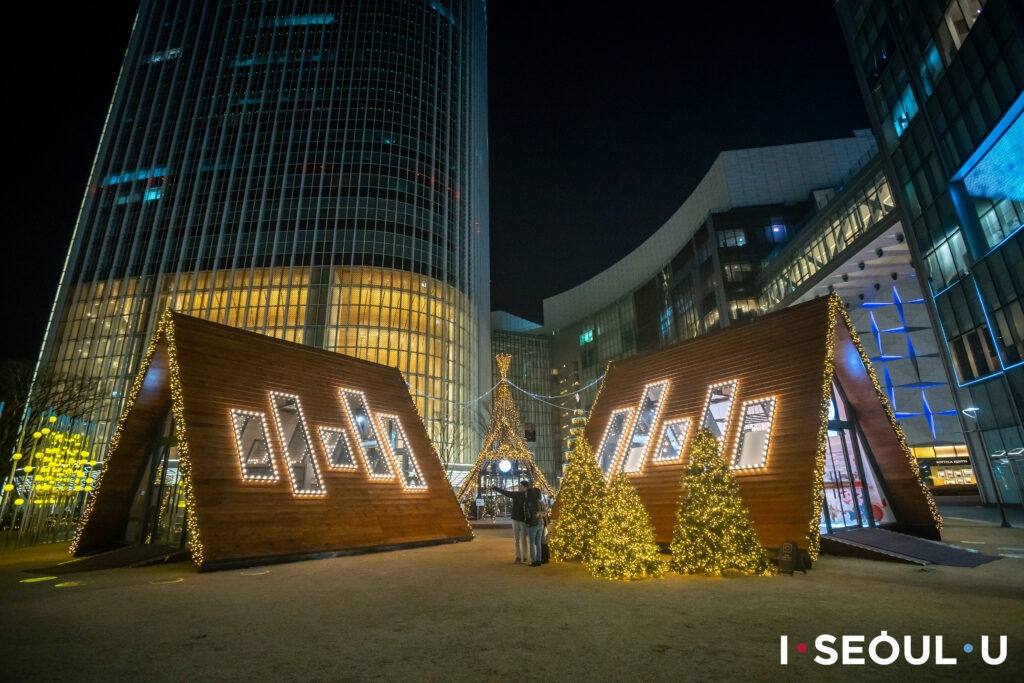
(601, 124)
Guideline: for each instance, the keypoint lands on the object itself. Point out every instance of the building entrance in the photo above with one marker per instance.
(852, 492)
(157, 515)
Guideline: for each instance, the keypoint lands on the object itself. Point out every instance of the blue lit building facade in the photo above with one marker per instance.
(943, 81)
(312, 171)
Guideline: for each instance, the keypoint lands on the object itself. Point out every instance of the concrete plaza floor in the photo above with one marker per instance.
(465, 612)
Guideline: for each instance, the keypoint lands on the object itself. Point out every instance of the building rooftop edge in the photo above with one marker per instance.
(732, 181)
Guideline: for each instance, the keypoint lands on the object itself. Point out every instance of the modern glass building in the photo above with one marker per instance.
(313, 171)
(943, 81)
(741, 247)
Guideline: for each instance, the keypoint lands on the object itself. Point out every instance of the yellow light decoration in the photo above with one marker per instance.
(624, 548)
(184, 461)
(713, 531)
(19, 501)
(818, 478)
(16, 457)
(580, 501)
(503, 440)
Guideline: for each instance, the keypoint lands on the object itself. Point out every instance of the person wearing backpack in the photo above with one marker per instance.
(536, 513)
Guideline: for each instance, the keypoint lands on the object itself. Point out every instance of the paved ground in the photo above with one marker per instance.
(464, 612)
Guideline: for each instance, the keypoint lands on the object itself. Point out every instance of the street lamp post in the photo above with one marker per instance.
(972, 413)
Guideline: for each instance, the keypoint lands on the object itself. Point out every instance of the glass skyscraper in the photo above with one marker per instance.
(315, 171)
(943, 81)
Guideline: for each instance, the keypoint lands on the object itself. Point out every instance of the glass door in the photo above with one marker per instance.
(853, 496)
(157, 514)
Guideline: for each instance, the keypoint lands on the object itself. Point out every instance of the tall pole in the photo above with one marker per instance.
(972, 413)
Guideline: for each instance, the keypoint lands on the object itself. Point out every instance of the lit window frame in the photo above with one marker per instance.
(266, 439)
(739, 436)
(371, 420)
(620, 465)
(381, 417)
(274, 395)
(343, 436)
(626, 426)
(665, 426)
(732, 408)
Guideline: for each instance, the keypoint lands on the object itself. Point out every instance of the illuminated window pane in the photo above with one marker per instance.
(291, 425)
(251, 441)
(336, 446)
(718, 408)
(612, 437)
(672, 440)
(404, 460)
(755, 431)
(366, 434)
(643, 426)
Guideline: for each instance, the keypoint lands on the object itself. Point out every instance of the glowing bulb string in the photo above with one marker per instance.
(554, 405)
(565, 395)
(537, 397)
(467, 403)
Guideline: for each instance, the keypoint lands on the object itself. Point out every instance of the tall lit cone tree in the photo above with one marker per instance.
(580, 500)
(624, 548)
(713, 530)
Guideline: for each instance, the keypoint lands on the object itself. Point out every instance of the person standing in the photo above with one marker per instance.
(518, 518)
(536, 513)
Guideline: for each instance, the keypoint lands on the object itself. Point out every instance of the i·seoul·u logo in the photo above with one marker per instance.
(885, 649)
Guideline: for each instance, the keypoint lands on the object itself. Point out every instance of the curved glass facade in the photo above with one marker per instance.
(312, 171)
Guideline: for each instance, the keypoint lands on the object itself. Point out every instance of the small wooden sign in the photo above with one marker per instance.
(790, 559)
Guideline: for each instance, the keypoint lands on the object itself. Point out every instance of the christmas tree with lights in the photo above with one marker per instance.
(624, 548)
(503, 442)
(713, 529)
(580, 500)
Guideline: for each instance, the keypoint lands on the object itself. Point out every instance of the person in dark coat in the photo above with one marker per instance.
(518, 518)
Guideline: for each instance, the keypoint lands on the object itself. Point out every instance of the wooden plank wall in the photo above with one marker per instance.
(781, 355)
(221, 369)
(778, 355)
